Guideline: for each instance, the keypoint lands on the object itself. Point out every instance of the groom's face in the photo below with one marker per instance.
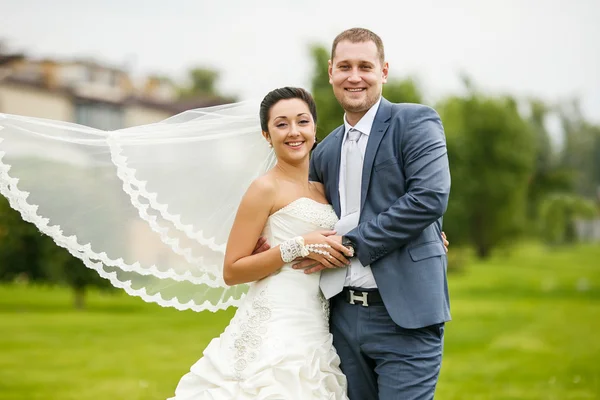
(357, 76)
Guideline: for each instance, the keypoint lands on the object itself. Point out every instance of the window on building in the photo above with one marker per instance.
(99, 115)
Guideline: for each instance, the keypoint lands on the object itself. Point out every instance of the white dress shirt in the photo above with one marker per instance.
(357, 275)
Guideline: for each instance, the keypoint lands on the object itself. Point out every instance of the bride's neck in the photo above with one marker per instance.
(297, 173)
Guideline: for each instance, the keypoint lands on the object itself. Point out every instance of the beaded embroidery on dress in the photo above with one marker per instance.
(278, 345)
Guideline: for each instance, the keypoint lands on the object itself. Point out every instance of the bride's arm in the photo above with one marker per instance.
(240, 265)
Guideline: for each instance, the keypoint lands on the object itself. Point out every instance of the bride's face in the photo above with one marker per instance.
(291, 130)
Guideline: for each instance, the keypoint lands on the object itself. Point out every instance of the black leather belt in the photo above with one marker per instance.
(364, 297)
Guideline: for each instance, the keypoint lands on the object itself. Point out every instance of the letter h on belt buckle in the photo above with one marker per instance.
(362, 298)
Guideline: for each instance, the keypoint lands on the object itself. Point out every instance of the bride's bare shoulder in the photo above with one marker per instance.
(261, 193)
(264, 186)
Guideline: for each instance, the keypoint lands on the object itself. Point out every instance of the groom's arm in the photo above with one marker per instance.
(428, 187)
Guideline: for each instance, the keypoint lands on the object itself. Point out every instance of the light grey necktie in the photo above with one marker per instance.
(332, 279)
(353, 173)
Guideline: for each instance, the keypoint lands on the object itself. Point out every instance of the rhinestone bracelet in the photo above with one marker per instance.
(315, 248)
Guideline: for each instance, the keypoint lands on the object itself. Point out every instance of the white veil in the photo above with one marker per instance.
(148, 207)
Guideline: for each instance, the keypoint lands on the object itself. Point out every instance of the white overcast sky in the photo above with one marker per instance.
(545, 48)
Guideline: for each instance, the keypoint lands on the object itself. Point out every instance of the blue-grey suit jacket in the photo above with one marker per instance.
(405, 189)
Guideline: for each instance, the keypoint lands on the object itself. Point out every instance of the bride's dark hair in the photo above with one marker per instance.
(284, 93)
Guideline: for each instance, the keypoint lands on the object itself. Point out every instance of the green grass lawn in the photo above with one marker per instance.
(525, 326)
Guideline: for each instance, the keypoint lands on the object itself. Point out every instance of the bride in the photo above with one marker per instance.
(278, 344)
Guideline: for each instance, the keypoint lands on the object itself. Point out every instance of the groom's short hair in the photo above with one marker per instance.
(359, 35)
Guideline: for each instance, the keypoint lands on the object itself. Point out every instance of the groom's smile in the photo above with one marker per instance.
(355, 91)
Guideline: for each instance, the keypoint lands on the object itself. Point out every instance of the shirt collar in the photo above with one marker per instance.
(366, 122)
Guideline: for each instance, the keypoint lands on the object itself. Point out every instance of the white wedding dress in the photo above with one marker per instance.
(278, 345)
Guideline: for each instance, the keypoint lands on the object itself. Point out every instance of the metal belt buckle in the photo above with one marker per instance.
(362, 298)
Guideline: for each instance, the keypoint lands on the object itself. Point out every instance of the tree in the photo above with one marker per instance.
(581, 153)
(403, 91)
(549, 175)
(202, 82)
(19, 247)
(330, 112)
(559, 213)
(491, 149)
(61, 267)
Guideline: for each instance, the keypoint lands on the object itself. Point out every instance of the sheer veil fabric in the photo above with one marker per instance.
(148, 207)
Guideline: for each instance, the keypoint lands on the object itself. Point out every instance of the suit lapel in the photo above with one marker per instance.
(378, 130)
(334, 188)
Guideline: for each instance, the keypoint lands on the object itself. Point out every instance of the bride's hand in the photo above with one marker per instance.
(261, 245)
(335, 252)
(445, 241)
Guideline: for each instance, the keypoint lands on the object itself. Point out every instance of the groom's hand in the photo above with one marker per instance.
(261, 245)
(311, 266)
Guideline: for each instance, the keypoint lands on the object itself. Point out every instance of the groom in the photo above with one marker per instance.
(385, 171)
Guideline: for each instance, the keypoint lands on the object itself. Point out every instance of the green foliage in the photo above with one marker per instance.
(403, 91)
(202, 82)
(581, 152)
(61, 267)
(558, 213)
(549, 175)
(20, 247)
(491, 149)
(330, 113)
